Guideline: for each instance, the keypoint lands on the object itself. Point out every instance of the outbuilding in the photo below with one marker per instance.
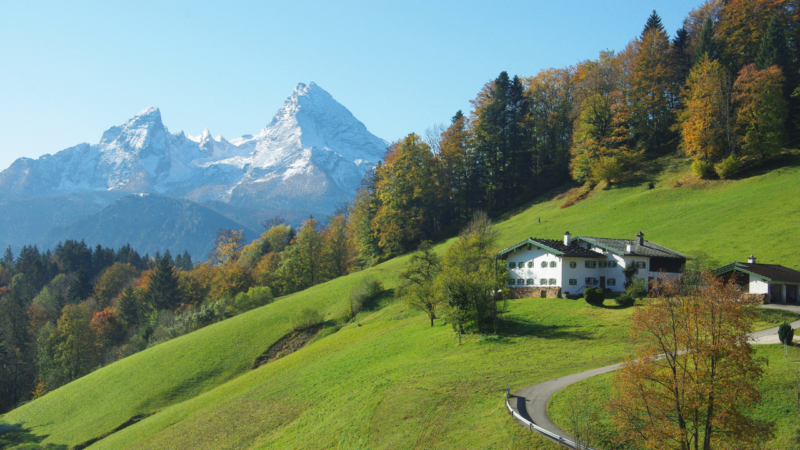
(772, 282)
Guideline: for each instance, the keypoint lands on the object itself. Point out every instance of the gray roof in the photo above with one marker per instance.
(766, 272)
(553, 246)
(620, 247)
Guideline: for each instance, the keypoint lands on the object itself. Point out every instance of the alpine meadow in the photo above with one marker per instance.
(315, 286)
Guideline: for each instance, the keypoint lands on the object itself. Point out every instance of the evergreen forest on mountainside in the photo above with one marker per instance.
(306, 338)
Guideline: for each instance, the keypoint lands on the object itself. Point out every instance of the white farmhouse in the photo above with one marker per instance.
(552, 268)
(771, 282)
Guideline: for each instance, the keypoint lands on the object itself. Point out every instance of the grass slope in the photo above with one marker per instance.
(392, 381)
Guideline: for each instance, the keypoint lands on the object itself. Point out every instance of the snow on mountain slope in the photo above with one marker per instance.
(311, 156)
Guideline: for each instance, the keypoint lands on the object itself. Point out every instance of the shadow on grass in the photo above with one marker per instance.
(784, 160)
(521, 327)
(17, 436)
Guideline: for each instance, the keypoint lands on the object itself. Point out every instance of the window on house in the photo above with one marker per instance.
(553, 264)
(612, 264)
(552, 282)
(591, 264)
(543, 282)
(573, 264)
(520, 281)
(544, 264)
(573, 282)
(611, 282)
(530, 264)
(529, 281)
(512, 265)
(641, 264)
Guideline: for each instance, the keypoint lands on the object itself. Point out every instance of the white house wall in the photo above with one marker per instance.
(537, 256)
(758, 286)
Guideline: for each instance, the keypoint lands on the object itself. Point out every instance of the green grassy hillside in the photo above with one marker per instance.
(391, 381)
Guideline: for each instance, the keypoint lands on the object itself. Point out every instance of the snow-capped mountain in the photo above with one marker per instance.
(311, 156)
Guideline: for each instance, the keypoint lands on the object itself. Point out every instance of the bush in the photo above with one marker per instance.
(364, 293)
(253, 298)
(637, 288)
(307, 318)
(785, 334)
(594, 296)
(609, 170)
(624, 299)
(728, 167)
(702, 169)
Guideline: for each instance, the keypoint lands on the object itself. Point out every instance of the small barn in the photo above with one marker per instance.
(774, 283)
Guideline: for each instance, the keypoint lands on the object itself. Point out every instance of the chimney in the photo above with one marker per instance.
(629, 247)
(751, 259)
(567, 239)
(640, 238)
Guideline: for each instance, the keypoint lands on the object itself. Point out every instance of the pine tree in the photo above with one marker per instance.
(164, 291)
(8, 258)
(80, 288)
(653, 24)
(707, 44)
(129, 307)
(187, 260)
(774, 51)
(682, 60)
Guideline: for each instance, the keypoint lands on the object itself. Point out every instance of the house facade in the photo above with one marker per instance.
(553, 268)
(771, 282)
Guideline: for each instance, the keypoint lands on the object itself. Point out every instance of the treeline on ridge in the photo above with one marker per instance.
(723, 90)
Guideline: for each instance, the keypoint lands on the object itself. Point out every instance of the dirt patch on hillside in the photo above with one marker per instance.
(577, 194)
(287, 345)
(133, 420)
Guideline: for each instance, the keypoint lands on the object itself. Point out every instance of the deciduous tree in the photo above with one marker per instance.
(694, 377)
(761, 111)
(419, 280)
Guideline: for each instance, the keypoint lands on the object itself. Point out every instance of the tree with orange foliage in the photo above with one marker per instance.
(455, 174)
(693, 379)
(762, 110)
(742, 24)
(652, 89)
(406, 193)
(108, 330)
(706, 117)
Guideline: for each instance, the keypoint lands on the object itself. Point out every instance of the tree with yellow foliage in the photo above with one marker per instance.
(706, 115)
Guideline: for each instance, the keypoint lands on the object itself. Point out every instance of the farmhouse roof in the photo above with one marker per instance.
(766, 272)
(553, 246)
(620, 247)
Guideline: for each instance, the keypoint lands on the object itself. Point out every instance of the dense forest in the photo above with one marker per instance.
(723, 90)
(68, 312)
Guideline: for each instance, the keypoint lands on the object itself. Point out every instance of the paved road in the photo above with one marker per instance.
(531, 402)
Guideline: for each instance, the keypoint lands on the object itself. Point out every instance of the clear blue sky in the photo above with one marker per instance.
(69, 72)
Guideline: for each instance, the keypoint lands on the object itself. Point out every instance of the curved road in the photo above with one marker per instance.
(531, 402)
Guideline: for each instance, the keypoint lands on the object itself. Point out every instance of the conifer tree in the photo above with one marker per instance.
(682, 59)
(129, 307)
(653, 24)
(707, 44)
(187, 260)
(80, 288)
(164, 291)
(8, 258)
(773, 51)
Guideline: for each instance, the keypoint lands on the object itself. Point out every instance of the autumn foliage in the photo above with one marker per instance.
(693, 379)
